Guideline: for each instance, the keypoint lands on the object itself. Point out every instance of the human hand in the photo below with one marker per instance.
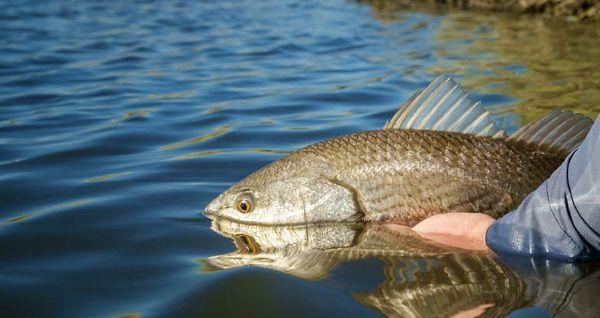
(462, 230)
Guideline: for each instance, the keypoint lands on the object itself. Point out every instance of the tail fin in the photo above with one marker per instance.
(558, 132)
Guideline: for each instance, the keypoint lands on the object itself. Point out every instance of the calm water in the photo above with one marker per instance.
(120, 121)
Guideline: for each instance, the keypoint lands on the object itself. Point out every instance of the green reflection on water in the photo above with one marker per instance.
(221, 130)
(544, 64)
(48, 209)
(19, 218)
(106, 177)
(174, 95)
(211, 153)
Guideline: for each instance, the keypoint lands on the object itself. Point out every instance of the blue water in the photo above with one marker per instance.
(120, 120)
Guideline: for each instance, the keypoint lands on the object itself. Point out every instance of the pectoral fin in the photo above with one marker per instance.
(356, 197)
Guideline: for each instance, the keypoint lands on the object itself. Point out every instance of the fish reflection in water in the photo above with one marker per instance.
(421, 278)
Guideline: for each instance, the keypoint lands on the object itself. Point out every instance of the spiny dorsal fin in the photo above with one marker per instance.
(444, 106)
(558, 131)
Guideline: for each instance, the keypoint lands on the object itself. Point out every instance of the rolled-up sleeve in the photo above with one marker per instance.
(561, 218)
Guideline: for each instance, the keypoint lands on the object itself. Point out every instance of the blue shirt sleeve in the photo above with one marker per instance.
(561, 218)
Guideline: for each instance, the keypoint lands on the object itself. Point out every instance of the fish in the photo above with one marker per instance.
(440, 152)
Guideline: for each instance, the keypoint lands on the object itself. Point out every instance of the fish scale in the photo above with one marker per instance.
(434, 166)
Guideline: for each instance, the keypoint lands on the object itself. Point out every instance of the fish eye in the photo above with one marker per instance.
(244, 203)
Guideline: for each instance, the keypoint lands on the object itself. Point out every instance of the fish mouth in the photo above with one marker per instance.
(220, 218)
(246, 244)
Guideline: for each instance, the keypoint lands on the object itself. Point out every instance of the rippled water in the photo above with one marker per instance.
(119, 121)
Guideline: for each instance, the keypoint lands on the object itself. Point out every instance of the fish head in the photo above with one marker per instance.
(292, 190)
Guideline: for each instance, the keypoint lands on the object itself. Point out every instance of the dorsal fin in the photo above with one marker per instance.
(558, 131)
(444, 106)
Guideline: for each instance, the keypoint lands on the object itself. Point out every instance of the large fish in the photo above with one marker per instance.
(441, 152)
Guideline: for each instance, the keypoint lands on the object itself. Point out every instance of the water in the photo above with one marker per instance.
(120, 121)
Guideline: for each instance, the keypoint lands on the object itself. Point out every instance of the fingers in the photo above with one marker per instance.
(453, 223)
(464, 242)
(462, 230)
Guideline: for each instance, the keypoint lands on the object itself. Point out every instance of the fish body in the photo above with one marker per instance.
(439, 153)
(408, 175)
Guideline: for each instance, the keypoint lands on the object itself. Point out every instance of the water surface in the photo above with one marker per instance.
(119, 121)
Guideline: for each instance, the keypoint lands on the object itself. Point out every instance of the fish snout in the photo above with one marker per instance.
(212, 209)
